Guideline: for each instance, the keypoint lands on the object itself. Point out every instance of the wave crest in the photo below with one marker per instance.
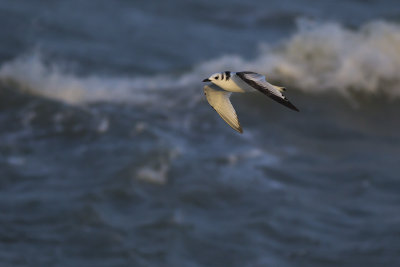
(329, 57)
(317, 58)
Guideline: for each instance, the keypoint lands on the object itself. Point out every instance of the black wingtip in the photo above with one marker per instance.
(291, 106)
(284, 101)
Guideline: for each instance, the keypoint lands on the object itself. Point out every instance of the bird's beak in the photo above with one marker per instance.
(206, 80)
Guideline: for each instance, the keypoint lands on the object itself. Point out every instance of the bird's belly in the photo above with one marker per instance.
(232, 86)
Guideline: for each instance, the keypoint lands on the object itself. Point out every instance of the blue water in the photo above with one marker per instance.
(111, 156)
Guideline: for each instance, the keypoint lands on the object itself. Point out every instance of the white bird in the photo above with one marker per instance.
(224, 83)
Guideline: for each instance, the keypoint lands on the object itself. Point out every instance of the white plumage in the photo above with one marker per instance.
(219, 100)
(224, 83)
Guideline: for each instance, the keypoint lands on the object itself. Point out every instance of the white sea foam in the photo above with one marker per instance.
(329, 57)
(32, 74)
(317, 58)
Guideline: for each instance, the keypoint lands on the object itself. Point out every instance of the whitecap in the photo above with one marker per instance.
(318, 58)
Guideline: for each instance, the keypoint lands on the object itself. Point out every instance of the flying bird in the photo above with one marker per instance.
(224, 83)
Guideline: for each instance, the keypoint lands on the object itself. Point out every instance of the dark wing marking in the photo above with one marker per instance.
(227, 75)
(248, 72)
(254, 80)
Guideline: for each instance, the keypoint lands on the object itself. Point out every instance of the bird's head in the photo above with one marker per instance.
(215, 78)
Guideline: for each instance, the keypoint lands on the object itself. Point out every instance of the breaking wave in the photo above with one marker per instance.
(316, 59)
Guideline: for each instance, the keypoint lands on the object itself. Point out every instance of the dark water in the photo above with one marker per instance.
(110, 155)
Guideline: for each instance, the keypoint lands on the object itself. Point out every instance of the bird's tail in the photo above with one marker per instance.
(280, 88)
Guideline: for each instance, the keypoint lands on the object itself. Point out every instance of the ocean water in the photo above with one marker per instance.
(111, 156)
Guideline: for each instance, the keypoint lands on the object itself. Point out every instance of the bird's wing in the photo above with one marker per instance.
(257, 81)
(251, 75)
(219, 100)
